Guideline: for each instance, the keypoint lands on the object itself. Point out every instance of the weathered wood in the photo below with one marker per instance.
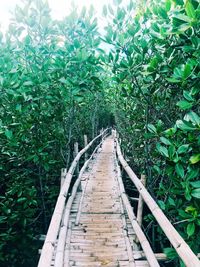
(67, 246)
(63, 175)
(99, 237)
(140, 235)
(181, 247)
(59, 258)
(75, 154)
(128, 244)
(48, 247)
(85, 144)
(141, 203)
(134, 198)
(83, 193)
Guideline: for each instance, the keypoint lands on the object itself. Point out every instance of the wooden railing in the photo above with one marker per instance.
(59, 220)
(181, 247)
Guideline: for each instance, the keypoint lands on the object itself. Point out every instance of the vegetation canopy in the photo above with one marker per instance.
(57, 83)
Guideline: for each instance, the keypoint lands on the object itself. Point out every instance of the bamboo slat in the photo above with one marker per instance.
(140, 203)
(48, 247)
(181, 247)
(83, 193)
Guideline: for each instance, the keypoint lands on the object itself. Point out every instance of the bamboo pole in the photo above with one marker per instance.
(141, 202)
(62, 178)
(67, 246)
(127, 241)
(49, 244)
(138, 231)
(75, 154)
(85, 144)
(181, 247)
(159, 256)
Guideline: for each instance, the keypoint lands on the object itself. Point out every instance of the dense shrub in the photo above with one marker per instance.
(155, 65)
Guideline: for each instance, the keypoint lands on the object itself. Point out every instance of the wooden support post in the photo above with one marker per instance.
(141, 202)
(62, 178)
(85, 144)
(101, 131)
(75, 154)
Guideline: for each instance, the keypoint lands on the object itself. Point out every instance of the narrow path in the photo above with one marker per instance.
(100, 234)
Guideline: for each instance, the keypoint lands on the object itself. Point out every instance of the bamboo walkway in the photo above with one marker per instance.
(101, 234)
(97, 226)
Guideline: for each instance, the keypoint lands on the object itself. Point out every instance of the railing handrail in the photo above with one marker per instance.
(181, 247)
(52, 233)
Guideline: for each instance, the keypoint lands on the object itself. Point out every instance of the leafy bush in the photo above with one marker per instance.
(155, 65)
(51, 95)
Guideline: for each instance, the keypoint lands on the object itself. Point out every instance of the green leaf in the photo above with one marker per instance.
(193, 117)
(188, 96)
(190, 11)
(190, 229)
(163, 150)
(185, 125)
(171, 201)
(63, 80)
(183, 104)
(28, 83)
(195, 158)
(195, 184)
(21, 199)
(172, 151)
(151, 128)
(168, 5)
(196, 193)
(187, 71)
(110, 9)
(180, 170)
(9, 134)
(171, 253)
(136, 49)
(161, 204)
(105, 11)
(3, 219)
(182, 149)
(192, 173)
(182, 17)
(165, 141)
(173, 80)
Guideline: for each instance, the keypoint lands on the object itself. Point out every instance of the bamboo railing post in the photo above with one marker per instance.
(141, 202)
(63, 175)
(75, 154)
(85, 144)
(101, 131)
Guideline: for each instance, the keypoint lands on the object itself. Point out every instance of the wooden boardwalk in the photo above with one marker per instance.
(96, 226)
(101, 233)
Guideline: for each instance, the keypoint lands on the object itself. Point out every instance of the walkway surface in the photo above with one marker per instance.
(100, 233)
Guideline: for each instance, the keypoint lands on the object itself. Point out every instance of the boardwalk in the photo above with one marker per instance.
(103, 235)
(96, 225)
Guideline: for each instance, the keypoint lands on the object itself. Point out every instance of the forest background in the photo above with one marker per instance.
(61, 79)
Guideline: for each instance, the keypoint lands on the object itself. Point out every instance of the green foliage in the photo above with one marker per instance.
(155, 63)
(52, 92)
(55, 88)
